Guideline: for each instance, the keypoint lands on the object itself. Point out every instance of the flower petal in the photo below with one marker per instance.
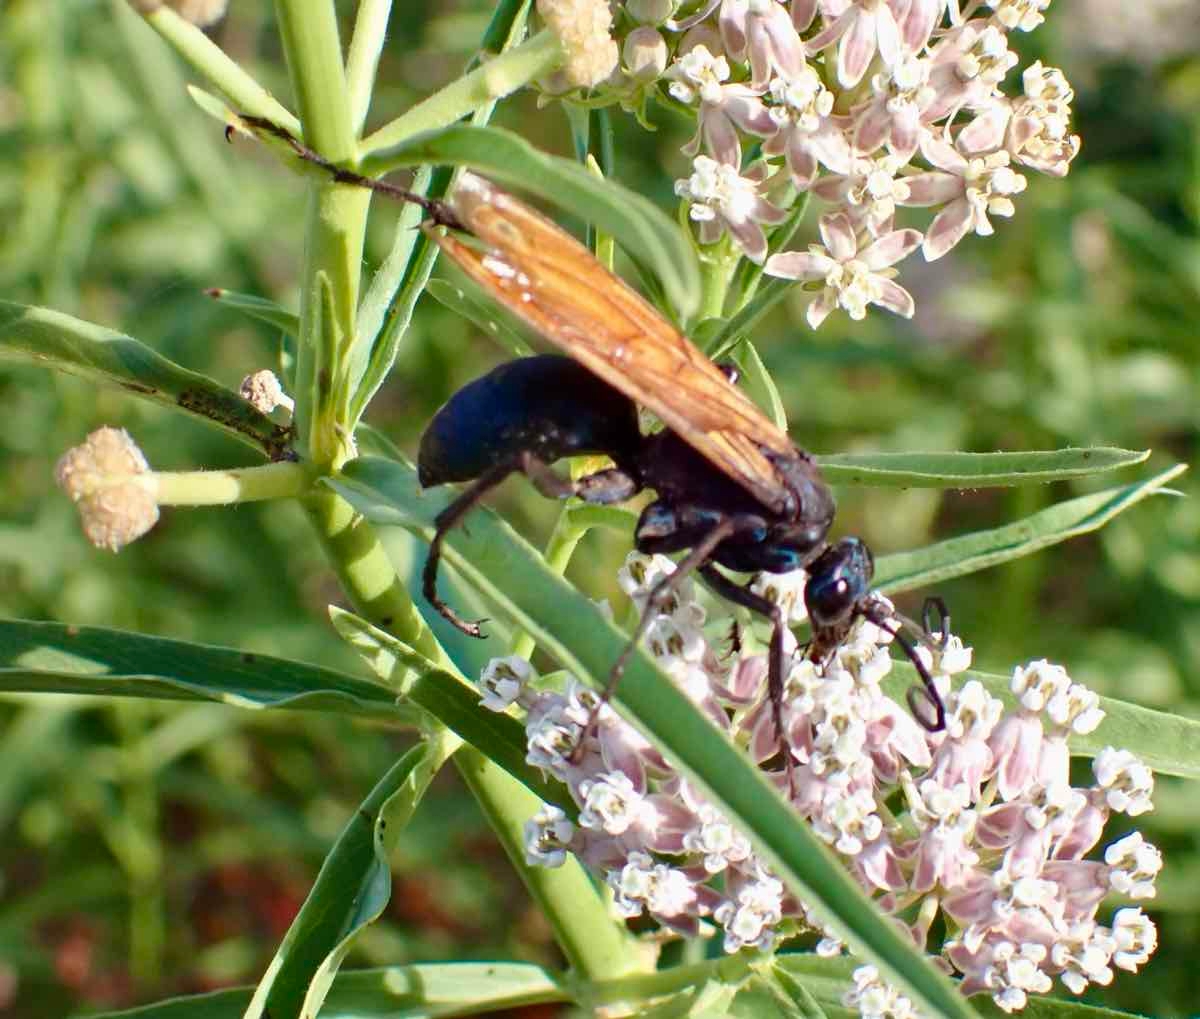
(887, 35)
(873, 127)
(721, 138)
(895, 298)
(818, 311)
(890, 249)
(857, 47)
(949, 227)
(838, 234)
(750, 238)
(933, 188)
(986, 132)
(799, 265)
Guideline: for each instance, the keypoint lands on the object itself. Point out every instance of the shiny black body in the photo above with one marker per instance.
(550, 406)
(526, 414)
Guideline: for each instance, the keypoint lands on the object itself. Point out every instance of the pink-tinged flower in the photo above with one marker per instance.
(1005, 869)
(917, 20)
(868, 192)
(548, 836)
(1039, 130)
(946, 825)
(645, 886)
(762, 32)
(872, 997)
(503, 681)
(1127, 783)
(969, 189)
(699, 76)
(894, 116)
(752, 911)
(804, 130)
(1019, 15)
(1135, 938)
(969, 63)
(716, 841)
(852, 279)
(964, 756)
(861, 28)
(759, 31)
(1133, 866)
(721, 199)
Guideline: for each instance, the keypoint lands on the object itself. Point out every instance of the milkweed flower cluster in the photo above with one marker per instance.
(873, 106)
(991, 834)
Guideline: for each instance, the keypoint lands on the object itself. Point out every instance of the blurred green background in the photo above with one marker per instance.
(150, 849)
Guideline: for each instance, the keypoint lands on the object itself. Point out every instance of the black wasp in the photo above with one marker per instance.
(731, 486)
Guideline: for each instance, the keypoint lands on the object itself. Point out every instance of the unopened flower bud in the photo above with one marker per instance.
(199, 12)
(584, 29)
(101, 477)
(645, 53)
(650, 12)
(701, 35)
(265, 393)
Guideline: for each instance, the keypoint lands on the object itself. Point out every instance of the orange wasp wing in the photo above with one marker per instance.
(552, 282)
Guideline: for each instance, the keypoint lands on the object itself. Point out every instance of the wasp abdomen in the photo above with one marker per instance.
(549, 406)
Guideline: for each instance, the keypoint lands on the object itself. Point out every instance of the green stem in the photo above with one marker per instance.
(595, 944)
(487, 83)
(366, 574)
(595, 947)
(337, 215)
(714, 280)
(220, 488)
(243, 92)
(370, 34)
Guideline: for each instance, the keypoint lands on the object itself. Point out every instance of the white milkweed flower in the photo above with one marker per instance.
(852, 279)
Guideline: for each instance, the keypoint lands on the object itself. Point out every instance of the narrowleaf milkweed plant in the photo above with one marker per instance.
(915, 126)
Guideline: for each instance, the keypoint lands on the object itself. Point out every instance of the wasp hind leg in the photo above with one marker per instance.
(776, 660)
(603, 487)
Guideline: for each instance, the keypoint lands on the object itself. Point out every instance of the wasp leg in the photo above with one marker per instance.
(701, 551)
(927, 692)
(606, 486)
(543, 478)
(743, 596)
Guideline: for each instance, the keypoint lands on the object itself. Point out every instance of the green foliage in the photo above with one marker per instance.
(247, 794)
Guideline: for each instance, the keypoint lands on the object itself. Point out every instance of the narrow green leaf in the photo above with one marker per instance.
(567, 625)
(759, 384)
(453, 702)
(258, 307)
(646, 233)
(47, 337)
(352, 889)
(93, 660)
(827, 980)
(765, 298)
(425, 991)
(974, 470)
(957, 557)
(1168, 744)
(484, 318)
(386, 309)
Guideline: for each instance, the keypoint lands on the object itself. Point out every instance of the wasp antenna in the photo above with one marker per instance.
(938, 605)
(438, 211)
(928, 691)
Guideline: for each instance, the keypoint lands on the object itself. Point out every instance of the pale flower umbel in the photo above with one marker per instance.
(976, 827)
(724, 200)
(874, 106)
(851, 278)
